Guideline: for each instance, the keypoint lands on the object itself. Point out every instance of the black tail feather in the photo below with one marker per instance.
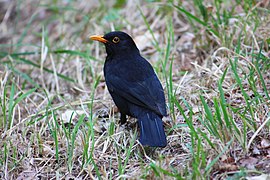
(151, 130)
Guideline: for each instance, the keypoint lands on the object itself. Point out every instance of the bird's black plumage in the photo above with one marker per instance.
(134, 87)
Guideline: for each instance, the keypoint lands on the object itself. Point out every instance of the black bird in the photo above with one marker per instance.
(134, 87)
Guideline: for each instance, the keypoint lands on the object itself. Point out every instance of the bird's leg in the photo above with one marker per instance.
(123, 118)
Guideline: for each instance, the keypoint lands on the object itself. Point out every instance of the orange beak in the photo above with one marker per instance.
(98, 38)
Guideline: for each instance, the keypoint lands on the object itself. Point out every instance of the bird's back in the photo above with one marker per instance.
(134, 79)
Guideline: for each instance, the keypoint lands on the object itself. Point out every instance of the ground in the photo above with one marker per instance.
(57, 119)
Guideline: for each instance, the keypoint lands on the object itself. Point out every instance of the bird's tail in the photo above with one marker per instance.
(151, 130)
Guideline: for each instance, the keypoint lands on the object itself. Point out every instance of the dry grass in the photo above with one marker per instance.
(57, 119)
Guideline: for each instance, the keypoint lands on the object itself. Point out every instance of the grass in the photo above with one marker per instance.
(57, 119)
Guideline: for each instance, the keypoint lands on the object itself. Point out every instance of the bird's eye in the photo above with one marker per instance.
(116, 39)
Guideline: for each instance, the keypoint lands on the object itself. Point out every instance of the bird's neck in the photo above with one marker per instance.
(123, 54)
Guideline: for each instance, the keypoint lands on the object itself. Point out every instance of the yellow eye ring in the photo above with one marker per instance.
(116, 39)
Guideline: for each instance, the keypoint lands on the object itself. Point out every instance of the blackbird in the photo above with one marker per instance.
(134, 87)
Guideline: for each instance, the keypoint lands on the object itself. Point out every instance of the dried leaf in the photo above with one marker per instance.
(265, 143)
(248, 162)
(69, 115)
(256, 151)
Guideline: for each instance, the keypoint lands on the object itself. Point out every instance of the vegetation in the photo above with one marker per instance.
(57, 119)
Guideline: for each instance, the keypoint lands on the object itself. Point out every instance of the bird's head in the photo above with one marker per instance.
(117, 42)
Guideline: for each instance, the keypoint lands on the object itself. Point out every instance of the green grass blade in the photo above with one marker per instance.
(10, 105)
(149, 29)
(211, 164)
(191, 16)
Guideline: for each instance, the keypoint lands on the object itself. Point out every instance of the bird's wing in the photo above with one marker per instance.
(147, 93)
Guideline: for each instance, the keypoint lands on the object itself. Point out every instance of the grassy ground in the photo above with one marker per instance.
(57, 119)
